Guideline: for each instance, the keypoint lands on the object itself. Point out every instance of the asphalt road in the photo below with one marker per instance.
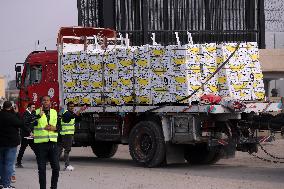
(120, 172)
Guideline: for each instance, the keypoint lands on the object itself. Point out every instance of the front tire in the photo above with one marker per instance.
(146, 144)
(104, 149)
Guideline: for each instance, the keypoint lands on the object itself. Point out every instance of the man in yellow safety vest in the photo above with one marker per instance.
(45, 142)
(67, 132)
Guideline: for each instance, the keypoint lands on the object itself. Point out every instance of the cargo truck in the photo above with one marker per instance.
(178, 129)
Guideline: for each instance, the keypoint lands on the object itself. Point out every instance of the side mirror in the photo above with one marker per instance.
(18, 79)
(18, 69)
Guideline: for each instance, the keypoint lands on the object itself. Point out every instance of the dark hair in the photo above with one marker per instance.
(7, 104)
(70, 103)
(30, 104)
(44, 96)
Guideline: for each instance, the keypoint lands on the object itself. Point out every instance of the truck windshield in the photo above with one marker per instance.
(33, 74)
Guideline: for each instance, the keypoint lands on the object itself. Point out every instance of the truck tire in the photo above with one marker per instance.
(104, 149)
(200, 154)
(147, 144)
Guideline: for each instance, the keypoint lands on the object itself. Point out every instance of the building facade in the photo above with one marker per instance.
(272, 57)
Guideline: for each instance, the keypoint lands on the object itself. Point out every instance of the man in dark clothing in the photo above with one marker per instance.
(67, 132)
(9, 140)
(45, 143)
(27, 131)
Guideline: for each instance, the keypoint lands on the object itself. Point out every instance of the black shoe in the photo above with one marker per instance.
(19, 165)
(9, 187)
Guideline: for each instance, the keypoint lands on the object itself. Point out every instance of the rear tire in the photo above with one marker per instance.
(104, 149)
(200, 154)
(147, 145)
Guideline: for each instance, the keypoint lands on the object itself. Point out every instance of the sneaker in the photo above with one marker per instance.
(9, 187)
(69, 168)
(13, 179)
(19, 165)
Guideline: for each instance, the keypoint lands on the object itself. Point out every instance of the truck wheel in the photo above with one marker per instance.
(104, 149)
(200, 154)
(146, 144)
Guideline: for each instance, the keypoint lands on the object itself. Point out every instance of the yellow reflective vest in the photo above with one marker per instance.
(67, 128)
(40, 134)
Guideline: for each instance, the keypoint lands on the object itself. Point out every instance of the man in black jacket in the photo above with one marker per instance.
(27, 132)
(9, 140)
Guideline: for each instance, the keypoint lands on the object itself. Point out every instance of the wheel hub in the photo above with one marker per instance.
(146, 143)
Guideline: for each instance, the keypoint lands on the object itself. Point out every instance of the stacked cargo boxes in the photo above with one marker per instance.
(161, 75)
(208, 53)
(223, 86)
(125, 68)
(238, 77)
(234, 71)
(186, 71)
(110, 76)
(258, 92)
(154, 74)
(142, 75)
(76, 78)
(96, 75)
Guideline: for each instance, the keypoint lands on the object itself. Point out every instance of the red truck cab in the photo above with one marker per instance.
(39, 78)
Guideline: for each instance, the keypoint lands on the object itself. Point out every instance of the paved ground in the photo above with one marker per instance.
(120, 172)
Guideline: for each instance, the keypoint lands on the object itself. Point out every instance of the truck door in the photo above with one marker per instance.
(33, 84)
(41, 80)
(50, 77)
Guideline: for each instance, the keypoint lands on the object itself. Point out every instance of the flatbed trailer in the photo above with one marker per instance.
(156, 134)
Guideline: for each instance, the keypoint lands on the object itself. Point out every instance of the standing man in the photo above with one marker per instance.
(67, 132)
(9, 140)
(27, 131)
(45, 143)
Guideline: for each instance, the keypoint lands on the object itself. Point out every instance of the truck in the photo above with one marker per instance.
(198, 132)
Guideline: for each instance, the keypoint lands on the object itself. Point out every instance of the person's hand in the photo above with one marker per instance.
(41, 111)
(83, 108)
(50, 128)
(47, 128)
(16, 109)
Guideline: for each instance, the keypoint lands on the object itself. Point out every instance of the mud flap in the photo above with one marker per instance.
(174, 153)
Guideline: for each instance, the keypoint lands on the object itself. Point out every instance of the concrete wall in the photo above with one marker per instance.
(272, 58)
(274, 23)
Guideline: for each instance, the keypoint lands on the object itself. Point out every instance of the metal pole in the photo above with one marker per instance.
(145, 21)
(79, 8)
(261, 26)
(107, 14)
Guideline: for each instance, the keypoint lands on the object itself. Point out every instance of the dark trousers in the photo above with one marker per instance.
(47, 151)
(66, 144)
(24, 144)
(7, 160)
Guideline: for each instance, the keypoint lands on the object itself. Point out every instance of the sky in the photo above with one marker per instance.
(24, 22)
